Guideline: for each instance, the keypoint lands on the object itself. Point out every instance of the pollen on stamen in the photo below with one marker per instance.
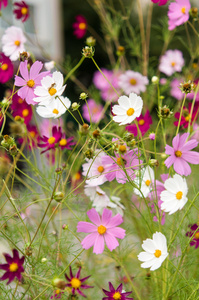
(30, 83)
(157, 253)
(101, 229)
(179, 195)
(130, 112)
(100, 169)
(17, 43)
(147, 182)
(51, 140)
(55, 111)
(52, 91)
(4, 67)
(133, 81)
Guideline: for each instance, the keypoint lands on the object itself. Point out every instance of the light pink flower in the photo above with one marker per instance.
(178, 13)
(180, 154)
(129, 160)
(29, 81)
(95, 111)
(102, 230)
(172, 61)
(13, 42)
(134, 82)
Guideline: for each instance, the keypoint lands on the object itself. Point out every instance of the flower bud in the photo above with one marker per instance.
(75, 106)
(90, 41)
(84, 129)
(165, 112)
(89, 153)
(24, 56)
(88, 51)
(128, 136)
(155, 80)
(13, 150)
(58, 283)
(153, 162)
(58, 196)
(83, 96)
(64, 227)
(187, 87)
(44, 260)
(120, 51)
(96, 134)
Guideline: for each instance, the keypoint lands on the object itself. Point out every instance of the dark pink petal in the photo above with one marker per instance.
(111, 288)
(85, 278)
(81, 293)
(24, 70)
(106, 216)
(115, 221)
(94, 216)
(119, 288)
(111, 241)
(99, 244)
(86, 227)
(4, 267)
(89, 240)
(78, 273)
(8, 258)
(35, 69)
(5, 276)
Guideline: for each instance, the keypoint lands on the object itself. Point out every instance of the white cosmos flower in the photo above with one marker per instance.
(49, 65)
(54, 109)
(145, 181)
(13, 42)
(50, 88)
(128, 109)
(174, 197)
(155, 251)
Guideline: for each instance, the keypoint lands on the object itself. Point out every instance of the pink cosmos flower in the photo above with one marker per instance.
(144, 123)
(13, 42)
(52, 141)
(178, 13)
(31, 79)
(180, 154)
(80, 26)
(152, 136)
(129, 160)
(161, 2)
(102, 229)
(21, 11)
(175, 89)
(172, 61)
(133, 82)
(194, 233)
(116, 293)
(185, 118)
(6, 69)
(4, 3)
(95, 111)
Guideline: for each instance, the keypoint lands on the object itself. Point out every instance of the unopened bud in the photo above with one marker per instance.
(89, 153)
(153, 162)
(75, 106)
(155, 80)
(120, 51)
(59, 283)
(84, 129)
(90, 41)
(96, 134)
(88, 51)
(64, 227)
(83, 96)
(44, 260)
(58, 196)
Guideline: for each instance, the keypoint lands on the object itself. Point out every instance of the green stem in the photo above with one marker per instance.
(74, 69)
(181, 114)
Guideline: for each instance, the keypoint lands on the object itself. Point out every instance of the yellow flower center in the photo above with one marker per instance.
(55, 111)
(63, 142)
(117, 296)
(122, 148)
(77, 176)
(133, 81)
(157, 253)
(75, 283)
(183, 10)
(130, 112)
(57, 292)
(24, 11)
(25, 112)
(121, 161)
(101, 229)
(196, 235)
(173, 63)
(187, 118)
(95, 110)
(52, 91)
(17, 43)
(51, 140)
(30, 83)
(147, 182)
(100, 169)
(82, 26)
(32, 133)
(179, 195)
(178, 153)
(141, 122)
(4, 67)
(13, 267)
(20, 101)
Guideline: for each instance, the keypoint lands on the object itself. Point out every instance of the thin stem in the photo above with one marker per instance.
(74, 69)
(181, 113)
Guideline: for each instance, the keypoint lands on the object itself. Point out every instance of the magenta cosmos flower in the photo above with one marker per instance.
(161, 2)
(180, 154)
(102, 229)
(20, 108)
(21, 11)
(6, 69)
(76, 283)
(14, 266)
(95, 111)
(52, 141)
(66, 143)
(80, 26)
(186, 116)
(116, 294)
(3, 3)
(133, 82)
(144, 123)
(178, 13)
(194, 233)
(129, 160)
(30, 80)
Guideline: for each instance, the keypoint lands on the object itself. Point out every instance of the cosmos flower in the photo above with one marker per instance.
(144, 182)
(66, 143)
(175, 89)
(55, 109)
(172, 61)
(29, 80)
(6, 69)
(129, 160)
(3, 3)
(49, 65)
(96, 110)
(76, 283)
(181, 154)
(143, 121)
(155, 251)
(174, 197)
(57, 294)
(50, 88)
(21, 11)
(80, 26)
(152, 136)
(161, 2)
(128, 109)
(194, 233)
(13, 267)
(102, 229)
(186, 116)
(178, 13)
(133, 82)
(20, 108)
(13, 42)
(52, 141)
(116, 294)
